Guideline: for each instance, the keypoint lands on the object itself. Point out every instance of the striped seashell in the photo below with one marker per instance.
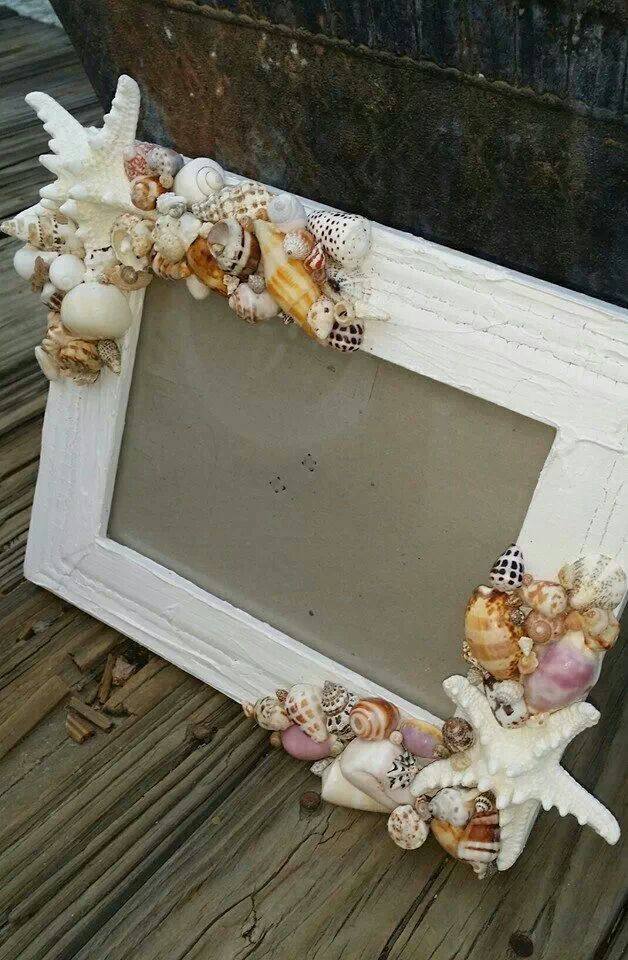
(507, 571)
(545, 597)
(303, 706)
(109, 353)
(238, 202)
(406, 828)
(204, 266)
(270, 714)
(234, 249)
(80, 360)
(593, 581)
(335, 698)
(54, 234)
(346, 339)
(345, 237)
(480, 840)
(168, 270)
(315, 261)
(287, 281)
(374, 718)
(457, 734)
(490, 634)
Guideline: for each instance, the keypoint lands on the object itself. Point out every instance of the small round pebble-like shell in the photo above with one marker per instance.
(457, 734)
(270, 714)
(374, 718)
(507, 571)
(66, 271)
(406, 828)
(420, 738)
(297, 743)
(593, 581)
(96, 310)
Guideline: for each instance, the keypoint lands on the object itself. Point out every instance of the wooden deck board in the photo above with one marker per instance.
(147, 843)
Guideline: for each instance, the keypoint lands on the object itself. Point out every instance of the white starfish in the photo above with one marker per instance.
(91, 188)
(521, 766)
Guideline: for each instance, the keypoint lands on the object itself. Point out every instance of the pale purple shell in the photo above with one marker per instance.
(418, 742)
(299, 745)
(564, 675)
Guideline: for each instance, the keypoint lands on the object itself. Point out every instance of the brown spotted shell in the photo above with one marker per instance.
(303, 706)
(491, 636)
(457, 734)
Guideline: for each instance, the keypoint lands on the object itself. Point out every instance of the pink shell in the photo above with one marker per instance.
(136, 160)
(565, 674)
(419, 742)
(299, 745)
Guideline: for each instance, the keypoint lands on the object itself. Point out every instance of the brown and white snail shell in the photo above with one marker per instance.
(374, 718)
(457, 734)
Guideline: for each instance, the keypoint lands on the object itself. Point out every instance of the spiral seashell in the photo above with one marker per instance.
(457, 734)
(270, 714)
(303, 706)
(170, 271)
(251, 306)
(490, 634)
(287, 213)
(287, 281)
(234, 249)
(507, 571)
(335, 698)
(127, 278)
(538, 627)
(321, 317)
(200, 260)
(245, 200)
(298, 244)
(374, 718)
(406, 828)
(199, 179)
(480, 841)
(545, 597)
(109, 353)
(452, 805)
(79, 359)
(53, 234)
(144, 192)
(346, 339)
(345, 237)
(593, 581)
(315, 261)
(485, 803)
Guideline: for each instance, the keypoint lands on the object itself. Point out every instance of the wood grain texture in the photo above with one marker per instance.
(145, 844)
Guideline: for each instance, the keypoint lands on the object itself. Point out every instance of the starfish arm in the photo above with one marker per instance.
(474, 704)
(568, 796)
(119, 124)
(439, 774)
(515, 823)
(563, 726)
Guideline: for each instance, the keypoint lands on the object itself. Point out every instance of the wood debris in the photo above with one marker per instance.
(29, 713)
(95, 649)
(78, 728)
(115, 703)
(98, 719)
(122, 670)
(104, 687)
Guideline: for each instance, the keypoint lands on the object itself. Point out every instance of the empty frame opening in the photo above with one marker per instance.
(346, 501)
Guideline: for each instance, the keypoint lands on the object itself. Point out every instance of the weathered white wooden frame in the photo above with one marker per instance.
(545, 352)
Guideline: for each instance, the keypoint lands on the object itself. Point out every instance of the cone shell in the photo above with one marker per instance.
(406, 828)
(205, 267)
(374, 718)
(593, 581)
(303, 706)
(345, 237)
(507, 571)
(287, 281)
(545, 597)
(245, 200)
(491, 635)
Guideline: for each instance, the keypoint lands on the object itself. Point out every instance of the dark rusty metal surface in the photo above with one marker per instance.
(481, 165)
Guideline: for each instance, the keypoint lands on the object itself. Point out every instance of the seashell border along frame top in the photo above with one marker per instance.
(121, 211)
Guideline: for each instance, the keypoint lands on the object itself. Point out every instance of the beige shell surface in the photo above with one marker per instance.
(109, 353)
(374, 718)
(250, 306)
(287, 281)
(270, 714)
(545, 597)
(406, 828)
(491, 635)
(245, 200)
(593, 581)
(303, 706)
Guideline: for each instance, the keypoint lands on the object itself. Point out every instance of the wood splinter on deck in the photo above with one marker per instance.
(77, 727)
(88, 713)
(104, 687)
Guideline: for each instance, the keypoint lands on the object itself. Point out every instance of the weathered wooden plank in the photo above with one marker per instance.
(31, 711)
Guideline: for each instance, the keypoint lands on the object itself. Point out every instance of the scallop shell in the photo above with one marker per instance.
(172, 236)
(345, 237)
(346, 339)
(233, 248)
(419, 737)
(544, 596)
(251, 306)
(303, 706)
(245, 200)
(168, 270)
(507, 571)
(593, 581)
(457, 734)
(321, 317)
(44, 231)
(109, 353)
(287, 213)
(298, 244)
(406, 828)
(199, 179)
(374, 718)
(453, 805)
(490, 634)
(144, 192)
(205, 267)
(270, 714)
(287, 281)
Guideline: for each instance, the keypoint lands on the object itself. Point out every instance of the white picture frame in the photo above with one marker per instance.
(545, 352)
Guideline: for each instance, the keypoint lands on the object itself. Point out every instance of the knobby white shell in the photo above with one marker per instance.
(96, 310)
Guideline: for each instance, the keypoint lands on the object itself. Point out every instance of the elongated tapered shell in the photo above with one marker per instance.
(205, 267)
(287, 281)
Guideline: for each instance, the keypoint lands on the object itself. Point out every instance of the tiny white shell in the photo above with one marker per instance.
(96, 310)
(198, 179)
(66, 271)
(24, 260)
(197, 288)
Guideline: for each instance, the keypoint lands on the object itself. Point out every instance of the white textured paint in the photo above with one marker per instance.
(545, 352)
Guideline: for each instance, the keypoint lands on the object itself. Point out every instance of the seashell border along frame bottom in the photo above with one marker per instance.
(121, 211)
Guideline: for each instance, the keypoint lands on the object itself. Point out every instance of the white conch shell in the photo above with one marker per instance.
(367, 763)
(91, 188)
(593, 581)
(199, 179)
(338, 790)
(172, 236)
(44, 230)
(287, 213)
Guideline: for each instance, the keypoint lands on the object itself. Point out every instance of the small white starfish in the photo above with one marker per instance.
(521, 766)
